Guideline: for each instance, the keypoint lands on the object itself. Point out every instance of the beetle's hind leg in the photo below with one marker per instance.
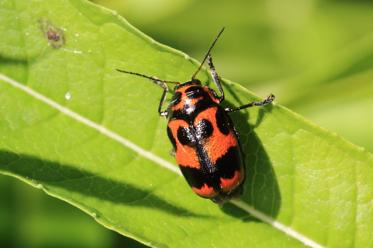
(269, 99)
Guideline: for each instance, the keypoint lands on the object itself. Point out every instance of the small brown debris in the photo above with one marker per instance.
(54, 35)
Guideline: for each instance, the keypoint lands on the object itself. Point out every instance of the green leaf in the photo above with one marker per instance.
(82, 132)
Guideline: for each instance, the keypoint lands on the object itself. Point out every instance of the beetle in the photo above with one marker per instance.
(204, 139)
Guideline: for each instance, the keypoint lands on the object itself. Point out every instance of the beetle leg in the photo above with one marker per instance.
(266, 101)
(163, 98)
(164, 86)
(215, 77)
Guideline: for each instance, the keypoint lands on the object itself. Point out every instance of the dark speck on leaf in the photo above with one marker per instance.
(53, 34)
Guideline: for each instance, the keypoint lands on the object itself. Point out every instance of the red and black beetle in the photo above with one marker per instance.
(205, 141)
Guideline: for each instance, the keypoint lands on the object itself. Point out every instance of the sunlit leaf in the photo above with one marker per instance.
(84, 133)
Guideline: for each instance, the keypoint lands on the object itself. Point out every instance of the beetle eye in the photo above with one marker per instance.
(176, 98)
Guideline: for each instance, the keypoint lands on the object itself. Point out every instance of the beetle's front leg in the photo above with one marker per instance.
(163, 98)
(215, 77)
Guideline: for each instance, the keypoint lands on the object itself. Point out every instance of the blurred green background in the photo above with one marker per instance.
(315, 56)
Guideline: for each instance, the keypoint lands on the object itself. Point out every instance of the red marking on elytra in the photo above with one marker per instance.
(218, 143)
(227, 184)
(205, 191)
(185, 155)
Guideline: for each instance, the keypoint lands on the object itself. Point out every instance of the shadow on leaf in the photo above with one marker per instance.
(261, 189)
(54, 174)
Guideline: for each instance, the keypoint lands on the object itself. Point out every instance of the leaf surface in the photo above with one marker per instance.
(76, 128)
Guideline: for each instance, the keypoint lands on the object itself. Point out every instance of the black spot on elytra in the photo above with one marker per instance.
(230, 162)
(204, 129)
(53, 34)
(171, 137)
(223, 121)
(226, 166)
(197, 178)
(185, 136)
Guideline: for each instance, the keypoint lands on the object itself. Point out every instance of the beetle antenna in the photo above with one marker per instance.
(148, 77)
(208, 52)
